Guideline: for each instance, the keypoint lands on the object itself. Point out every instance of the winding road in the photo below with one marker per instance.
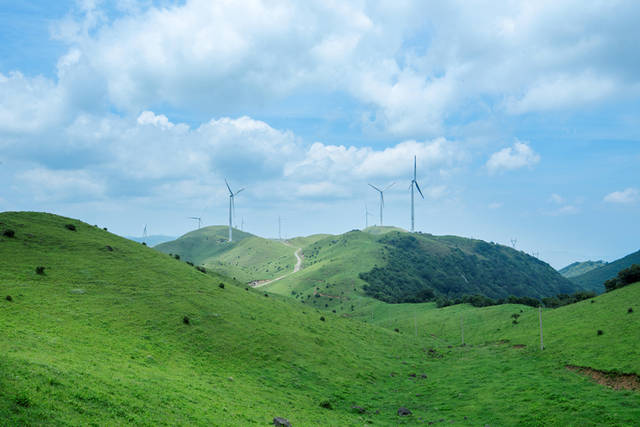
(296, 268)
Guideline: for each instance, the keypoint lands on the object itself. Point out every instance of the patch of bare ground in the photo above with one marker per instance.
(519, 346)
(611, 379)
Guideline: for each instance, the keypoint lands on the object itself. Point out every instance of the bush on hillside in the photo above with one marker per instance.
(201, 269)
(40, 270)
(176, 256)
(186, 320)
(8, 298)
(9, 233)
(221, 285)
(70, 227)
(625, 277)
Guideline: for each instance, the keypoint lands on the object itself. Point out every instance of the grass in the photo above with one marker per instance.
(100, 339)
(247, 258)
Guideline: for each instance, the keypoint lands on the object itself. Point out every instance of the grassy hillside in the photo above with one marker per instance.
(578, 268)
(247, 258)
(100, 339)
(343, 272)
(303, 242)
(384, 229)
(595, 279)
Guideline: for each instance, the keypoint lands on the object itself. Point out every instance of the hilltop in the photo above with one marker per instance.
(247, 258)
(342, 272)
(113, 332)
(152, 240)
(594, 279)
(578, 268)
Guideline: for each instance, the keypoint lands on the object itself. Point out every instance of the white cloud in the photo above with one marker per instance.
(510, 158)
(47, 184)
(149, 118)
(629, 195)
(495, 205)
(557, 199)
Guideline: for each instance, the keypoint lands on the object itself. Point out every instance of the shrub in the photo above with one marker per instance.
(144, 244)
(105, 228)
(201, 269)
(109, 248)
(176, 256)
(322, 318)
(8, 298)
(396, 330)
(22, 400)
(326, 404)
(266, 295)
(70, 227)
(190, 263)
(9, 233)
(625, 277)
(600, 332)
(40, 270)
(221, 285)
(186, 320)
(630, 310)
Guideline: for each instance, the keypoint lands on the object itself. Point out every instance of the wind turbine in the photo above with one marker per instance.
(414, 182)
(367, 214)
(232, 208)
(381, 197)
(196, 218)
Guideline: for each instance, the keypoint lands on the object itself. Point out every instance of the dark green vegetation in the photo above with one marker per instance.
(625, 277)
(594, 279)
(419, 267)
(578, 268)
(133, 336)
(247, 258)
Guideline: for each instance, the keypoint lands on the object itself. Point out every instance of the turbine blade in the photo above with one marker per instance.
(382, 198)
(375, 188)
(225, 181)
(414, 168)
(389, 186)
(238, 191)
(418, 187)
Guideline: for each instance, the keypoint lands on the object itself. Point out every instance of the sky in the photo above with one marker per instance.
(524, 117)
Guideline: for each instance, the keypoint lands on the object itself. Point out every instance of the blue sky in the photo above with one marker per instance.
(524, 117)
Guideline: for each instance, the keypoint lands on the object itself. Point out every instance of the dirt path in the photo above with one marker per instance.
(296, 268)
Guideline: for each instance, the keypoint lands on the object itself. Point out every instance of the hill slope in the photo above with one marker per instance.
(578, 268)
(344, 271)
(247, 258)
(594, 279)
(101, 338)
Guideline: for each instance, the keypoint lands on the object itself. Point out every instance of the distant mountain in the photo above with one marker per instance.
(594, 279)
(151, 240)
(578, 268)
(247, 258)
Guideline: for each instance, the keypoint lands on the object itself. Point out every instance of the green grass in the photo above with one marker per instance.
(247, 258)
(99, 339)
(578, 268)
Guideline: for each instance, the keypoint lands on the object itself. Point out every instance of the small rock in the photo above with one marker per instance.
(281, 422)
(403, 412)
(230, 378)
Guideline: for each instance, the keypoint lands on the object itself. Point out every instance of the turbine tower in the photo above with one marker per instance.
(197, 219)
(367, 214)
(414, 183)
(381, 197)
(232, 208)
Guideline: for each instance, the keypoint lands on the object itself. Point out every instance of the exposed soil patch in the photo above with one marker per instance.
(614, 380)
(519, 346)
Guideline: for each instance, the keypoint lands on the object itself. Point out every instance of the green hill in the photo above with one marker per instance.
(594, 279)
(341, 272)
(115, 333)
(152, 240)
(382, 229)
(578, 268)
(247, 258)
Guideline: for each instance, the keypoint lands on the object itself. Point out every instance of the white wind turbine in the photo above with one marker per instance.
(367, 214)
(414, 182)
(232, 208)
(381, 197)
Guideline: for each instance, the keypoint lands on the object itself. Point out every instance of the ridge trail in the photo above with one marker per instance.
(296, 268)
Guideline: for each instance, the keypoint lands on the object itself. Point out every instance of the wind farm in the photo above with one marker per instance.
(292, 214)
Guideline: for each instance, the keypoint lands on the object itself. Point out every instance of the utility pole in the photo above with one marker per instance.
(540, 317)
(513, 243)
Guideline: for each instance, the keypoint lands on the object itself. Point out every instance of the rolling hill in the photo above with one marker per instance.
(152, 240)
(342, 272)
(112, 333)
(578, 268)
(594, 279)
(247, 258)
